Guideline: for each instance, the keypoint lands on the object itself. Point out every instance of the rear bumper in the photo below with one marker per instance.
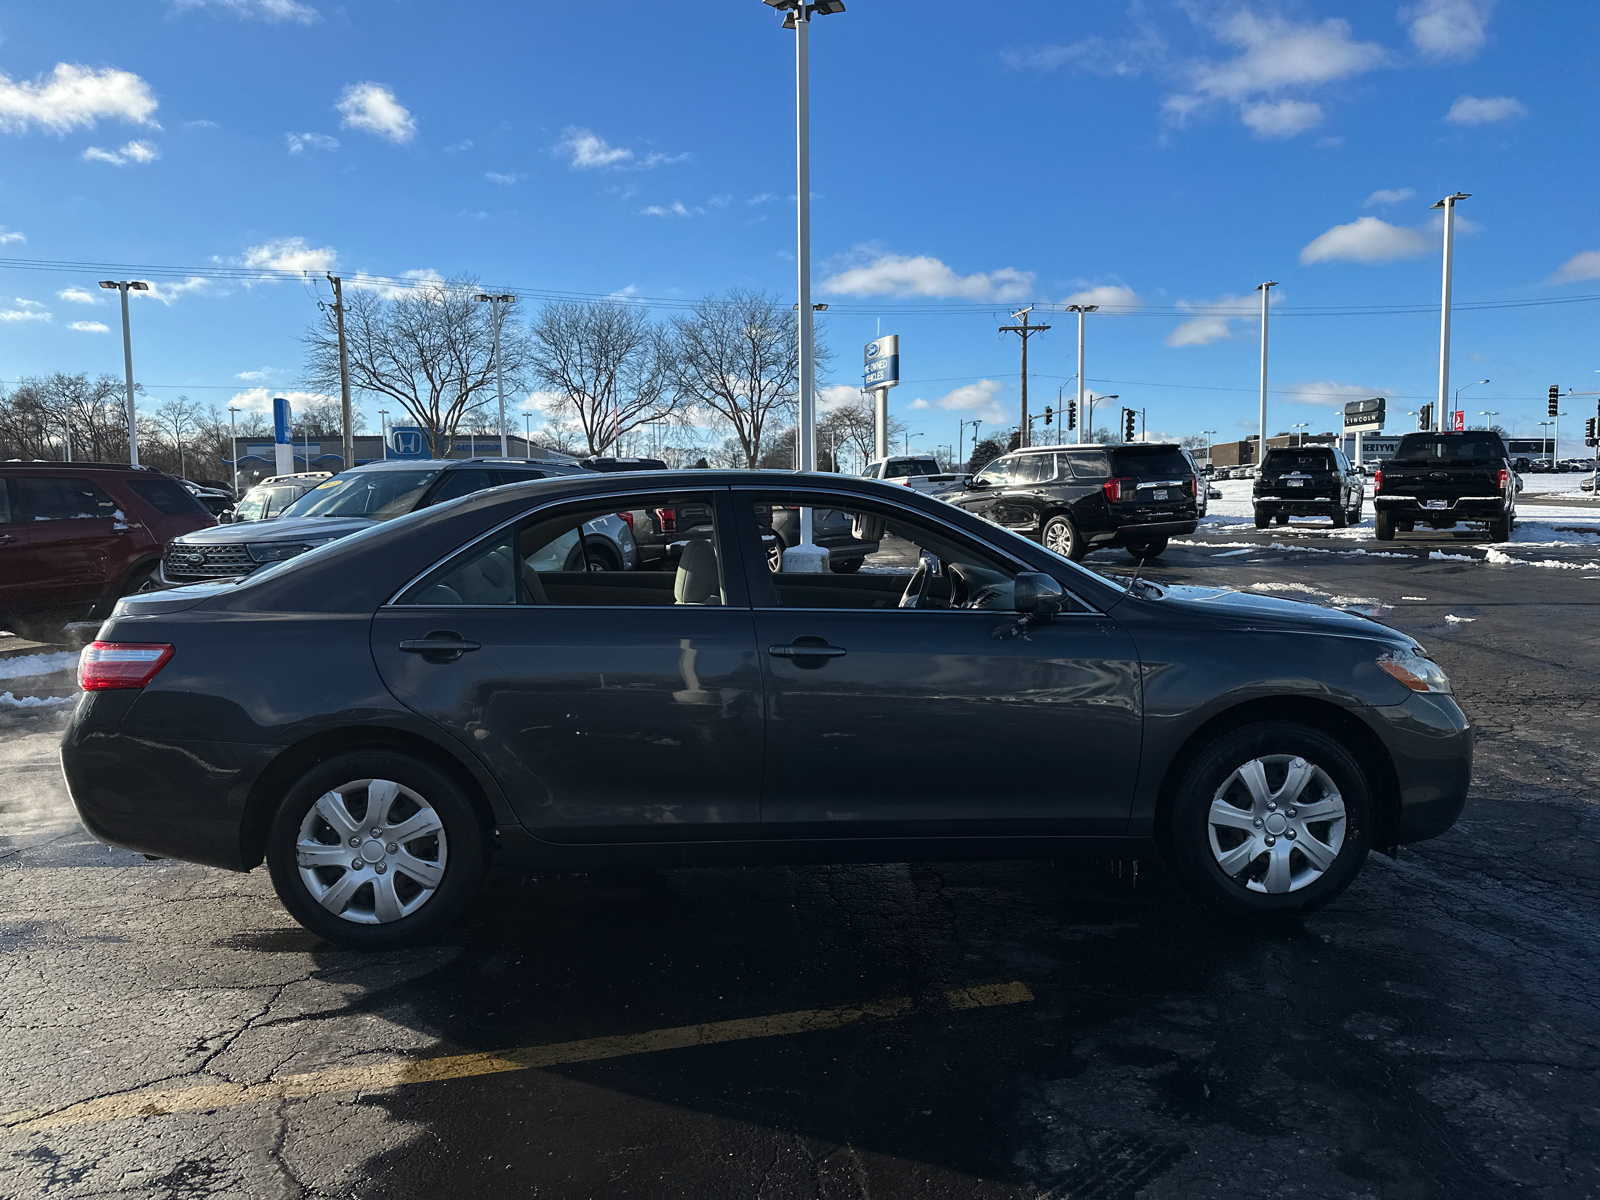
(1298, 506)
(1134, 531)
(1466, 508)
(1430, 744)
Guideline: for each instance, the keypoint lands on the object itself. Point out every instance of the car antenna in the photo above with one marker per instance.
(1135, 577)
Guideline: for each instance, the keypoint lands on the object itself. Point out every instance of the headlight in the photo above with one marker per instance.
(1416, 670)
(264, 552)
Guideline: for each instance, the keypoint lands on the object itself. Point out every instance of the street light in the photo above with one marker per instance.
(1488, 413)
(499, 375)
(1449, 206)
(383, 427)
(1080, 309)
(1545, 425)
(124, 286)
(1091, 401)
(233, 436)
(1300, 438)
(1208, 434)
(797, 16)
(527, 434)
(1464, 387)
(961, 428)
(1265, 289)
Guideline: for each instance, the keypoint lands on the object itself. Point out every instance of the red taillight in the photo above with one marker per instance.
(667, 518)
(1377, 480)
(105, 665)
(1505, 478)
(1114, 489)
(1189, 486)
(628, 517)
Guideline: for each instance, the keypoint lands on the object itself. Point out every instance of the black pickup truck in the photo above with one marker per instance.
(1440, 479)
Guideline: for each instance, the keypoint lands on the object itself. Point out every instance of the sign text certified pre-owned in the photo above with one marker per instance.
(882, 362)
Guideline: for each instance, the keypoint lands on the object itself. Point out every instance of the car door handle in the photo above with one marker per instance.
(442, 646)
(807, 648)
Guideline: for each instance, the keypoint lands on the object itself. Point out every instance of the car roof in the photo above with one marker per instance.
(1100, 446)
(441, 464)
(51, 464)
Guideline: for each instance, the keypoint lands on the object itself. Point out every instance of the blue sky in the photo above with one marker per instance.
(1162, 157)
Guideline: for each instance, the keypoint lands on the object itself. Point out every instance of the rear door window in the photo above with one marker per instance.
(1157, 462)
(462, 483)
(56, 498)
(166, 497)
(1086, 464)
(517, 475)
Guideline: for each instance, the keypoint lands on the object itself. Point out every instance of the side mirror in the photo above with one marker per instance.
(972, 481)
(1036, 594)
(865, 527)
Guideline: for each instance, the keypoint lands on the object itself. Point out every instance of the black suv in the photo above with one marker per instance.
(1439, 479)
(1308, 481)
(1075, 499)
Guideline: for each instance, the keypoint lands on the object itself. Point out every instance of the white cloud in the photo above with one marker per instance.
(675, 209)
(1447, 29)
(260, 399)
(264, 10)
(836, 395)
(1108, 296)
(458, 147)
(1281, 118)
(139, 152)
(373, 108)
(589, 150)
(624, 293)
(1386, 196)
(1367, 240)
(90, 327)
(202, 123)
(540, 402)
(301, 142)
(1212, 322)
(763, 198)
(72, 96)
(1327, 393)
(1109, 57)
(8, 236)
(505, 180)
(1579, 267)
(924, 275)
(1486, 110)
(977, 398)
(261, 376)
(408, 283)
(23, 314)
(291, 254)
(918, 405)
(29, 303)
(78, 296)
(168, 292)
(657, 159)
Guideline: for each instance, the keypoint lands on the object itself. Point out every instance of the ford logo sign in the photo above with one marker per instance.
(194, 559)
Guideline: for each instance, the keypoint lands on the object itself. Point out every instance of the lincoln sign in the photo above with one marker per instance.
(1361, 415)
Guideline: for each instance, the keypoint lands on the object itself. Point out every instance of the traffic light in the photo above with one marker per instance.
(1127, 424)
(1072, 414)
(1555, 400)
(1425, 419)
(1588, 432)
(1049, 414)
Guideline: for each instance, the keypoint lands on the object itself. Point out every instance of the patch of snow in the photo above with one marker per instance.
(7, 698)
(37, 664)
(1501, 558)
(1441, 556)
(1458, 620)
(1413, 597)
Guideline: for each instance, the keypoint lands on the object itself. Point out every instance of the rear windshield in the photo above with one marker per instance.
(380, 495)
(1299, 460)
(165, 496)
(1150, 462)
(1432, 447)
(910, 466)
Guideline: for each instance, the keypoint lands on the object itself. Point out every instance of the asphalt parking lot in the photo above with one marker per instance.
(978, 1030)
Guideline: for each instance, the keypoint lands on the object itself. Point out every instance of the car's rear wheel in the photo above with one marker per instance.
(1154, 548)
(848, 566)
(1500, 530)
(375, 849)
(1341, 518)
(1383, 526)
(1272, 819)
(1061, 536)
(1262, 520)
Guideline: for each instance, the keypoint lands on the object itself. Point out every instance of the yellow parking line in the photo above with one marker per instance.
(158, 1102)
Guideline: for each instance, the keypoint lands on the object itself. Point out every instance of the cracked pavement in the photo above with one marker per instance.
(1432, 1034)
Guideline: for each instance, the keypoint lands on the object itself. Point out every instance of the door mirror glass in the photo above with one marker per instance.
(867, 527)
(968, 481)
(1037, 594)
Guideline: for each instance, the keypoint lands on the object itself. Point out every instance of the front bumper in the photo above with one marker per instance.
(1430, 744)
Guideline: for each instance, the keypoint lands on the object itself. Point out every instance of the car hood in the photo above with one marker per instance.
(283, 529)
(1250, 610)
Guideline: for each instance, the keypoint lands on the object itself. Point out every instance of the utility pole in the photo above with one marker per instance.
(1024, 331)
(1261, 446)
(1080, 309)
(348, 452)
(495, 303)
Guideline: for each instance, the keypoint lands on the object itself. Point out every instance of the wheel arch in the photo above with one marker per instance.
(295, 760)
(1364, 745)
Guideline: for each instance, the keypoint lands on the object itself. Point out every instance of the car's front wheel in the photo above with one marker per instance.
(375, 849)
(1262, 519)
(1272, 819)
(1383, 526)
(1061, 536)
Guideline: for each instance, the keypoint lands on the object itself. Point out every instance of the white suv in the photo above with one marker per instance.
(918, 471)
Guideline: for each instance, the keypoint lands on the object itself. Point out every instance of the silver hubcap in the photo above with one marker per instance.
(371, 851)
(1059, 539)
(1276, 824)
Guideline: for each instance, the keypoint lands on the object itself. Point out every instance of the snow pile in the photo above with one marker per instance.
(37, 664)
(1441, 556)
(1458, 620)
(1501, 558)
(8, 700)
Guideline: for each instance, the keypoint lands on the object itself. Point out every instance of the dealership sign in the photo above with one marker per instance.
(882, 363)
(1362, 415)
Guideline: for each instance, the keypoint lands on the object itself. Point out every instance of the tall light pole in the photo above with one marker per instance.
(494, 303)
(1546, 425)
(1300, 438)
(961, 427)
(233, 446)
(1488, 413)
(1091, 402)
(797, 16)
(1080, 309)
(1449, 206)
(383, 428)
(1261, 447)
(127, 359)
(527, 435)
(1208, 434)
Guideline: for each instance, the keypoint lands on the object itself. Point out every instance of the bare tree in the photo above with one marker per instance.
(609, 366)
(851, 427)
(430, 350)
(738, 358)
(324, 418)
(177, 419)
(46, 416)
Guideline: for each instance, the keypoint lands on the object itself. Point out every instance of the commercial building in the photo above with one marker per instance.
(257, 456)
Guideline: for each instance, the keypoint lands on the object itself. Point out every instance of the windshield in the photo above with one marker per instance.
(249, 509)
(912, 466)
(380, 495)
(1299, 460)
(1426, 447)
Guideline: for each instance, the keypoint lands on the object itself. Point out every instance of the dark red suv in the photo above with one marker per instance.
(76, 536)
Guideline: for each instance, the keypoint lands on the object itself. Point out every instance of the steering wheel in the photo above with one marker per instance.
(916, 587)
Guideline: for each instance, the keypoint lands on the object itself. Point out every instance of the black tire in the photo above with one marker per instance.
(1383, 526)
(1140, 551)
(1282, 518)
(1355, 514)
(463, 850)
(1061, 535)
(1341, 518)
(1262, 519)
(599, 560)
(848, 566)
(1500, 530)
(1188, 838)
